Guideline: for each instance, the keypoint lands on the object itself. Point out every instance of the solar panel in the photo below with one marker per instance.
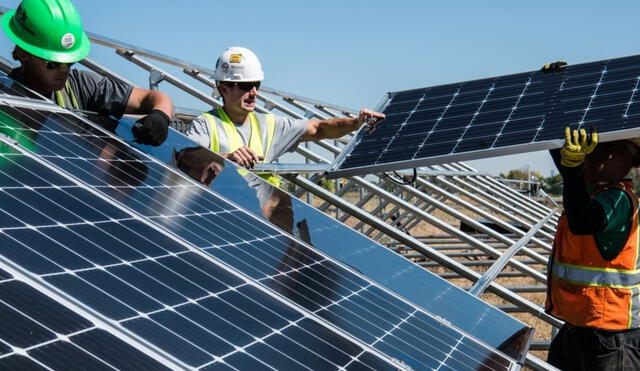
(497, 116)
(39, 332)
(12, 88)
(150, 286)
(366, 256)
(136, 265)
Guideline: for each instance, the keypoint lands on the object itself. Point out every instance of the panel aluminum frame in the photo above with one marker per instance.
(464, 121)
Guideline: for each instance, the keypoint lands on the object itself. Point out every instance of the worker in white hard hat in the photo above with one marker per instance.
(238, 133)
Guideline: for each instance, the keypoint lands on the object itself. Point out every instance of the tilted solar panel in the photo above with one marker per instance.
(10, 88)
(136, 265)
(39, 332)
(497, 116)
(324, 233)
(147, 285)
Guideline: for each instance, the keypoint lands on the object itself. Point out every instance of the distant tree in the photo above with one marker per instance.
(328, 184)
(521, 174)
(553, 185)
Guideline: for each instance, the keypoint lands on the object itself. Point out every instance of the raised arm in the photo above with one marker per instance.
(143, 101)
(153, 128)
(337, 127)
(584, 214)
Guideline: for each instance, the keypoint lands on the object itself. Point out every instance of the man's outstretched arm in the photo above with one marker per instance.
(338, 127)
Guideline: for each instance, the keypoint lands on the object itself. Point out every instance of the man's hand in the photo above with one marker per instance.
(152, 129)
(553, 67)
(577, 146)
(200, 164)
(371, 118)
(244, 156)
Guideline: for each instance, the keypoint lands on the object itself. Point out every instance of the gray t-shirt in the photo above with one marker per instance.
(97, 93)
(286, 136)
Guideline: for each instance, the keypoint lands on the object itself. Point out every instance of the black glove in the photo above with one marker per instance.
(152, 129)
(553, 67)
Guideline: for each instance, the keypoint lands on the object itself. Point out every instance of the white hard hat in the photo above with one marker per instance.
(238, 64)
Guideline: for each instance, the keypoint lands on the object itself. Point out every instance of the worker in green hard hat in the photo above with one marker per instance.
(49, 39)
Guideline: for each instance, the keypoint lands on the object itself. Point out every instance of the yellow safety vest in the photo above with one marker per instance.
(235, 141)
(66, 96)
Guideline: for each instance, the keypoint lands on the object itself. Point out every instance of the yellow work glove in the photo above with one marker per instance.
(553, 67)
(577, 146)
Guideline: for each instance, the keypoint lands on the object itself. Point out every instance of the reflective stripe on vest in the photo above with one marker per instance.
(584, 289)
(65, 97)
(590, 276)
(235, 140)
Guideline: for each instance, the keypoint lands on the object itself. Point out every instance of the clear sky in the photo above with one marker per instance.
(351, 53)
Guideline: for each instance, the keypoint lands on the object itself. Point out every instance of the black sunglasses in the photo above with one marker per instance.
(245, 86)
(51, 65)
(55, 65)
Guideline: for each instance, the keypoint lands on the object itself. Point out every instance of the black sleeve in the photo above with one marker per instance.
(100, 94)
(584, 214)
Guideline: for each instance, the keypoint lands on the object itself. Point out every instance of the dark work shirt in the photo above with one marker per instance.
(97, 93)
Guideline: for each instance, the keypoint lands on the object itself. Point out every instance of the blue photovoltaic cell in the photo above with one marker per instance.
(155, 287)
(10, 87)
(38, 332)
(498, 115)
(487, 323)
(206, 221)
(464, 311)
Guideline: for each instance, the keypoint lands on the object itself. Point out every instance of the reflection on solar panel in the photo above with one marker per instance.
(497, 116)
(376, 262)
(10, 87)
(147, 284)
(134, 243)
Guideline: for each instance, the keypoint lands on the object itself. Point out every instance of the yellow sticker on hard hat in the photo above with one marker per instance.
(235, 58)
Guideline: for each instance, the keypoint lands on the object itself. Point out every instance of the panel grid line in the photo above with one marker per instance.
(172, 226)
(466, 128)
(403, 123)
(630, 102)
(97, 321)
(99, 289)
(513, 109)
(595, 92)
(446, 108)
(600, 94)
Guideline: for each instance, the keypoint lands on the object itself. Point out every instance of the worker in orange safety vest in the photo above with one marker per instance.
(594, 271)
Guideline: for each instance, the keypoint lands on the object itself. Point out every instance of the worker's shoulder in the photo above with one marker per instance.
(278, 120)
(204, 116)
(88, 81)
(78, 74)
(610, 189)
(613, 195)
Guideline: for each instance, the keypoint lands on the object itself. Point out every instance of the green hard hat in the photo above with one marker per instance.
(49, 29)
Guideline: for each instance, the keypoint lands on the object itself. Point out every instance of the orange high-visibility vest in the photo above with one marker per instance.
(586, 290)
